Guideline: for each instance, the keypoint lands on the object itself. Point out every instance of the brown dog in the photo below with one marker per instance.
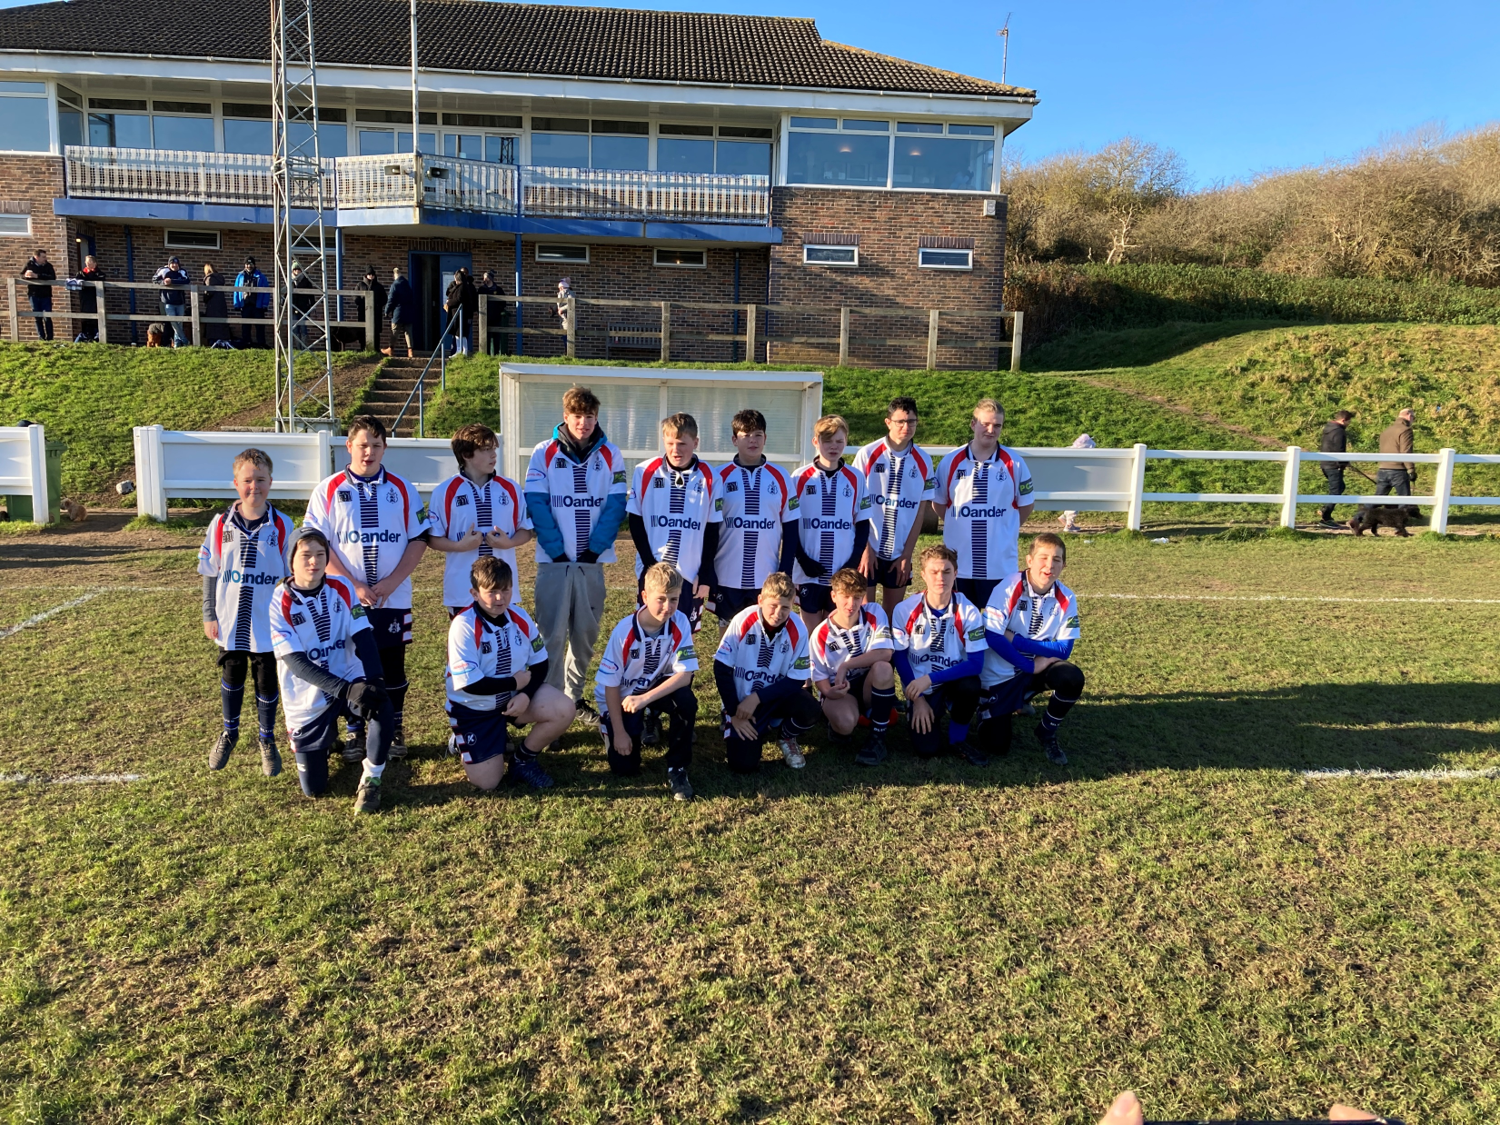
(1374, 518)
(73, 510)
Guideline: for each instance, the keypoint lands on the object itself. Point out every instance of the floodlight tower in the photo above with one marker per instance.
(304, 347)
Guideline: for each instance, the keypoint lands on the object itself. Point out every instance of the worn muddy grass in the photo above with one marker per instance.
(1177, 911)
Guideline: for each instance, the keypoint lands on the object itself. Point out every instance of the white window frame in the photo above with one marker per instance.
(783, 143)
(830, 265)
(26, 215)
(170, 245)
(49, 102)
(656, 252)
(538, 256)
(922, 251)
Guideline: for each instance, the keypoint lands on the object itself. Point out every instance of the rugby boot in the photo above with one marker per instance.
(353, 746)
(651, 730)
(972, 754)
(367, 796)
(530, 771)
(270, 758)
(218, 755)
(791, 751)
(586, 714)
(398, 742)
(1048, 739)
(872, 753)
(677, 781)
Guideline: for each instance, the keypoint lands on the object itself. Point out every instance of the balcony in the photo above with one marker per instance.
(358, 186)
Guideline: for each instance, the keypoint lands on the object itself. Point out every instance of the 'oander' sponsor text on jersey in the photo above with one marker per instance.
(983, 500)
(322, 626)
(937, 639)
(246, 559)
(676, 505)
(755, 505)
(897, 484)
(635, 661)
(757, 657)
(460, 506)
(370, 523)
(576, 491)
(828, 506)
(831, 644)
(479, 648)
(1014, 607)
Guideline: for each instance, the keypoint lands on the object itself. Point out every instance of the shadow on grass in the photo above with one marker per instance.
(1140, 347)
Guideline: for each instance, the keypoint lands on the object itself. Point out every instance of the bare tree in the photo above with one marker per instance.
(1126, 179)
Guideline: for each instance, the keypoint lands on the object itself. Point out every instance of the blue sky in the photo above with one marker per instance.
(1236, 88)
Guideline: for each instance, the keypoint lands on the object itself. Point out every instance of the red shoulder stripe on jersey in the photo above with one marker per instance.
(791, 628)
(405, 499)
(332, 487)
(750, 621)
(916, 612)
(648, 471)
(874, 458)
(342, 591)
(609, 458)
(515, 502)
(924, 463)
(1062, 599)
(453, 486)
(803, 477)
(220, 521)
(519, 620)
(819, 639)
(846, 471)
(726, 470)
(709, 473)
(676, 635)
(957, 459)
(478, 630)
(1015, 485)
(1015, 595)
(869, 615)
(552, 447)
(281, 530)
(786, 492)
(286, 605)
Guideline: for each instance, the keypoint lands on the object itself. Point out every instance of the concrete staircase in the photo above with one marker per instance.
(394, 381)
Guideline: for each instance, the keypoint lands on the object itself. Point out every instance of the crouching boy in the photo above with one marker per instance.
(496, 675)
(329, 666)
(761, 668)
(1030, 625)
(851, 665)
(647, 668)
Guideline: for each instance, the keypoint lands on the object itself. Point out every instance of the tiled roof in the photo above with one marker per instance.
(492, 37)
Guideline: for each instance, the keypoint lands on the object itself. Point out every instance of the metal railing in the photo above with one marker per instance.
(418, 392)
(596, 193)
(173, 176)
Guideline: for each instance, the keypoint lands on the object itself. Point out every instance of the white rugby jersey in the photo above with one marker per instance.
(247, 560)
(577, 491)
(369, 523)
(983, 499)
(1015, 607)
(897, 484)
(756, 502)
(478, 649)
(321, 625)
(937, 639)
(459, 506)
(634, 661)
(759, 659)
(676, 505)
(831, 645)
(828, 506)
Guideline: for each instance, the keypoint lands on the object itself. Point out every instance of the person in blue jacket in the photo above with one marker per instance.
(251, 306)
(401, 309)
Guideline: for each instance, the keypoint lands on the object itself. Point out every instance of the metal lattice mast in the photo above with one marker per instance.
(304, 346)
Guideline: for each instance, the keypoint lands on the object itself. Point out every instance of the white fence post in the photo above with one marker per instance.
(1442, 492)
(1137, 488)
(325, 452)
(41, 502)
(1289, 483)
(150, 484)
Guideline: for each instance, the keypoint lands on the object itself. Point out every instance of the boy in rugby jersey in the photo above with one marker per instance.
(575, 495)
(759, 533)
(833, 513)
(379, 532)
(497, 676)
(648, 667)
(851, 665)
(1031, 624)
(900, 477)
(476, 513)
(983, 494)
(243, 556)
(675, 513)
(761, 669)
(939, 641)
(328, 665)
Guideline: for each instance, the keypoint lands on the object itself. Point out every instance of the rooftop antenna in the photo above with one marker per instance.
(1004, 33)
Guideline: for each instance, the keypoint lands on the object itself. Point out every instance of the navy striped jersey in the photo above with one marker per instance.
(370, 522)
(321, 625)
(635, 661)
(1015, 607)
(676, 505)
(246, 558)
(577, 492)
(459, 506)
(897, 484)
(832, 644)
(983, 501)
(828, 506)
(934, 639)
(756, 504)
(479, 648)
(759, 658)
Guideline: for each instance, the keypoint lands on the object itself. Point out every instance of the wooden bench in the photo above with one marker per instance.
(631, 337)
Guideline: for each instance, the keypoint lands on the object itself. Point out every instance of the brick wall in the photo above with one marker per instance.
(34, 181)
(889, 227)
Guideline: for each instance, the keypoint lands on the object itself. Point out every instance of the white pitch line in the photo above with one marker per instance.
(1403, 775)
(105, 589)
(38, 618)
(1287, 598)
(71, 778)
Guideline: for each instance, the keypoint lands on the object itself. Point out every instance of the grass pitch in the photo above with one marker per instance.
(1178, 911)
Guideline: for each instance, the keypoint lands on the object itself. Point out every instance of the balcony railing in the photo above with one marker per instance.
(363, 182)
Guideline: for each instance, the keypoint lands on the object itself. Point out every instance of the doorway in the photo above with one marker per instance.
(431, 274)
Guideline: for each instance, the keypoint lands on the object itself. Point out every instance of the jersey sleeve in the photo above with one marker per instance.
(801, 659)
(1023, 480)
(538, 644)
(523, 513)
(463, 652)
(973, 624)
(880, 631)
(900, 638)
(940, 486)
(612, 663)
(817, 651)
(617, 485)
(208, 554)
(437, 517)
(863, 506)
(729, 644)
(416, 515)
(536, 471)
(1069, 630)
(284, 639)
(317, 510)
(685, 659)
(929, 479)
(637, 483)
(359, 621)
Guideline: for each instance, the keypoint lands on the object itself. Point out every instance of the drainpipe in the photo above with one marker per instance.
(130, 276)
(520, 340)
(735, 346)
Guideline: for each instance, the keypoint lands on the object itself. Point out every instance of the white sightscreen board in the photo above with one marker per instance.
(200, 465)
(15, 458)
(1066, 470)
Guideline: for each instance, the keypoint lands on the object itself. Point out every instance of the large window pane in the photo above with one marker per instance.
(189, 133)
(333, 140)
(69, 127)
(378, 142)
(621, 152)
(248, 136)
(23, 124)
(944, 163)
(559, 150)
(428, 143)
(837, 158)
(744, 158)
(677, 154)
(120, 130)
(465, 146)
(500, 150)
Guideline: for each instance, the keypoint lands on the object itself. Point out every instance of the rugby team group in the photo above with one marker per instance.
(807, 572)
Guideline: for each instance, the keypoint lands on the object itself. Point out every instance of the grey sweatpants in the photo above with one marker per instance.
(569, 607)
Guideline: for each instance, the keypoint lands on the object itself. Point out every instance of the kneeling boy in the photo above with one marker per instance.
(329, 666)
(1030, 625)
(496, 675)
(648, 666)
(851, 665)
(761, 668)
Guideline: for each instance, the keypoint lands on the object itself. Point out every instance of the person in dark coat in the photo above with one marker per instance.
(486, 286)
(372, 286)
(1334, 439)
(215, 307)
(174, 283)
(302, 303)
(463, 299)
(251, 306)
(88, 298)
(39, 269)
(401, 310)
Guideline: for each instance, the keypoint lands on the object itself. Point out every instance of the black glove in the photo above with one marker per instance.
(1413, 476)
(589, 557)
(364, 698)
(812, 568)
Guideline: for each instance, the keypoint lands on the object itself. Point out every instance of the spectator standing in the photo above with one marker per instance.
(1070, 518)
(486, 287)
(88, 299)
(302, 303)
(371, 285)
(401, 310)
(1334, 439)
(174, 283)
(38, 268)
(1396, 476)
(462, 298)
(215, 307)
(251, 306)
